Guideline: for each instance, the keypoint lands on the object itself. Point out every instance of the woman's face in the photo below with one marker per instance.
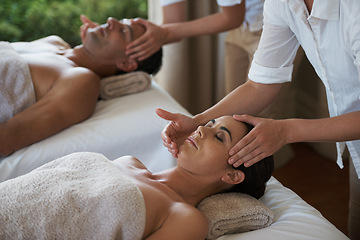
(206, 150)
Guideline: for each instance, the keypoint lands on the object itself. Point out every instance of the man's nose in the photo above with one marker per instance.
(112, 22)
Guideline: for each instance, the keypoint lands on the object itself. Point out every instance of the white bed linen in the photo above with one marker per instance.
(129, 126)
(294, 219)
(123, 126)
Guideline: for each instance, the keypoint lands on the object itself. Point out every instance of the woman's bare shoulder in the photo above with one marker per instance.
(129, 161)
(184, 222)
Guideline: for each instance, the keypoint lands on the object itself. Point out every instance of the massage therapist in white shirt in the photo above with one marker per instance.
(329, 33)
(242, 19)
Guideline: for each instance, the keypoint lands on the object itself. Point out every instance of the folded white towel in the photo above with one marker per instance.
(16, 87)
(79, 196)
(123, 84)
(234, 213)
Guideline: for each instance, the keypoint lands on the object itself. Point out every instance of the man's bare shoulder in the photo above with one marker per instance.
(79, 72)
(52, 39)
(51, 43)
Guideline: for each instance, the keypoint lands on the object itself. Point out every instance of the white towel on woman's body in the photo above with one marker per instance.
(79, 196)
(16, 87)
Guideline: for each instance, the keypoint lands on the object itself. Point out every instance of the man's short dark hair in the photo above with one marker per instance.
(151, 65)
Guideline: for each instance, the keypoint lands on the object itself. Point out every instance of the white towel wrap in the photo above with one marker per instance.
(16, 87)
(79, 196)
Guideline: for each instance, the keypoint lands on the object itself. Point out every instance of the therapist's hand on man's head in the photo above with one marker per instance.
(267, 137)
(87, 23)
(175, 133)
(149, 43)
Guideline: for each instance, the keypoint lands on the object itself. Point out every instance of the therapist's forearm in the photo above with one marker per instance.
(249, 98)
(229, 18)
(174, 13)
(341, 128)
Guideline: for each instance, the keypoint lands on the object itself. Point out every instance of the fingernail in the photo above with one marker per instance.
(231, 153)
(231, 161)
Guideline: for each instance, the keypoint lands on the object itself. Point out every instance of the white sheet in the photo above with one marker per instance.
(294, 219)
(129, 126)
(123, 126)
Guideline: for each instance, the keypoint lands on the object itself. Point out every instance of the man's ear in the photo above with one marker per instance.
(233, 177)
(127, 65)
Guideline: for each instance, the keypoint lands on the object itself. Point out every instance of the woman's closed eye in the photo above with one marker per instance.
(220, 137)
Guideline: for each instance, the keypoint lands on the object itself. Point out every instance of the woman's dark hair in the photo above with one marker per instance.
(256, 175)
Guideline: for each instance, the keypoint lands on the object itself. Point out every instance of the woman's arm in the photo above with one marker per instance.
(227, 19)
(171, 31)
(249, 98)
(270, 135)
(174, 13)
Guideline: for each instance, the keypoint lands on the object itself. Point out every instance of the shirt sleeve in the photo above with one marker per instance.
(273, 60)
(353, 33)
(228, 3)
(168, 2)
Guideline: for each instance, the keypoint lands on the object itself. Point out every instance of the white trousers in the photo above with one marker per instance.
(240, 46)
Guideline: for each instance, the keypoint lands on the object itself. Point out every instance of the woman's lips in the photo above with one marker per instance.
(191, 140)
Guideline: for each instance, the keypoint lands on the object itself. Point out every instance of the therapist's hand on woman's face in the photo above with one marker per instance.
(267, 137)
(175, 133)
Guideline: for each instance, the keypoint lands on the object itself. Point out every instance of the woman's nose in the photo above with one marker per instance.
(201, 131)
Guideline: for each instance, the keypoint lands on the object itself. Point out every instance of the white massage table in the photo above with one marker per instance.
(129, 126)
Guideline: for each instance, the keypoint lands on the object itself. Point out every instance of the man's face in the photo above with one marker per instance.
(108, 40)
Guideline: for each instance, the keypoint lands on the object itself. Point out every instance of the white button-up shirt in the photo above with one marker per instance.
(330, 37)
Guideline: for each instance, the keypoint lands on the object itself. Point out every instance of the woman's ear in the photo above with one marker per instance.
(127, 65)
(233, 177)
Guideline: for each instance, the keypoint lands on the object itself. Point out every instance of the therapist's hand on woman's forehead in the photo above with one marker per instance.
(267, 137)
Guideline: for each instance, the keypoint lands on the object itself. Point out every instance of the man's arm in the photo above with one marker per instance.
(71, 100)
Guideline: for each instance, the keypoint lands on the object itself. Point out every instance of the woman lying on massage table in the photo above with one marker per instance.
(85, 195)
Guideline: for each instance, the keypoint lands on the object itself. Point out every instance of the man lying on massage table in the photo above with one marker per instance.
(84, 195)
(46, 86)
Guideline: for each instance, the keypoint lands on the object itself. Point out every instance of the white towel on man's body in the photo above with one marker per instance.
(79, 196)
(16, 87)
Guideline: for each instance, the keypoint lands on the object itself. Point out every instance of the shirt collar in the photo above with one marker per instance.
(327, 10)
